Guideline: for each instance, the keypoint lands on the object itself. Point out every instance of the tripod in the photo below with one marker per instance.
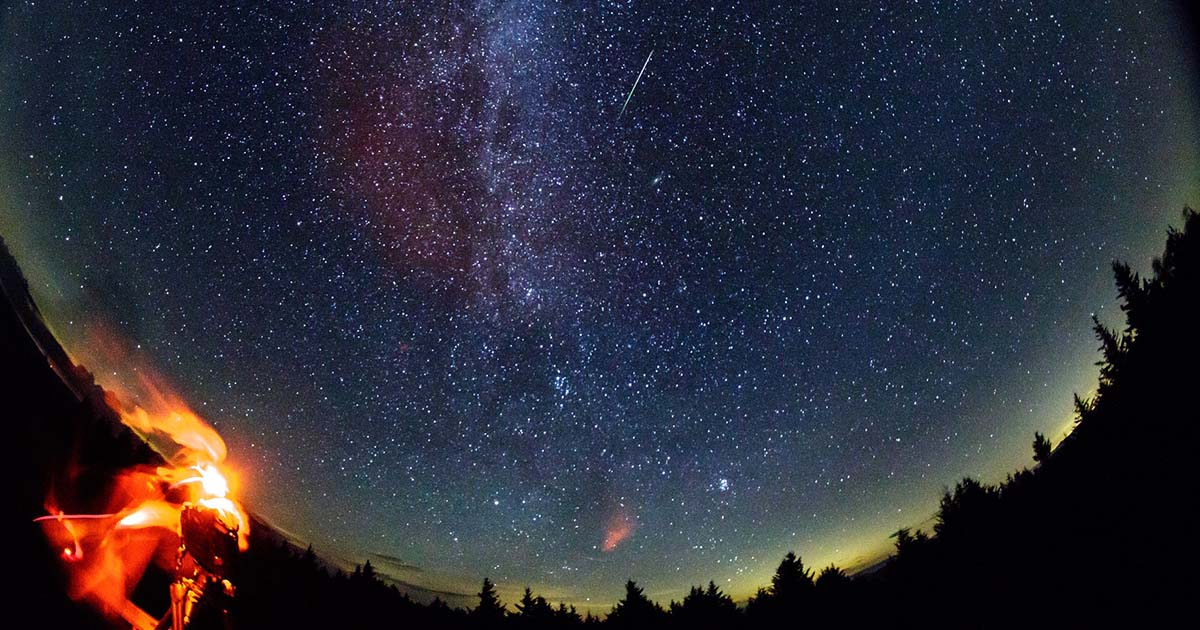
(208, 546)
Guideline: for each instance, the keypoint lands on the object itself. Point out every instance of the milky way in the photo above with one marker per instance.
(455, 311)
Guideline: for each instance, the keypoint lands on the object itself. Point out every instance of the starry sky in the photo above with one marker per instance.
(455, 312)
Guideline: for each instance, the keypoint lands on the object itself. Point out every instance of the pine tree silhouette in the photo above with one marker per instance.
(490, 609)
(635, 610)
(791, 590)
(1041, 448)
(534, 611)
(705, 608)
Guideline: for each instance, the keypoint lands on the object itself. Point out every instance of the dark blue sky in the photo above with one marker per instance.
(448, 307)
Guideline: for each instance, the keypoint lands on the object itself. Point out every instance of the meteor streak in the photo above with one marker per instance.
(635, 84)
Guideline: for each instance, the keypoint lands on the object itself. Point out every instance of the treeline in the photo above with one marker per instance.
(1099, 533)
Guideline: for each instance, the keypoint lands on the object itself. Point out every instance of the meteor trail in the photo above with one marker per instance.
(635, 84)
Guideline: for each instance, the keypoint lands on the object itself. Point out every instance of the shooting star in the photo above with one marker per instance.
(635, 84)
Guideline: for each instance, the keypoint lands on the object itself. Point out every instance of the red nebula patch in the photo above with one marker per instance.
(620, 528)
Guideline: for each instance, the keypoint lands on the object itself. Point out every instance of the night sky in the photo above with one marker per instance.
(457, 313)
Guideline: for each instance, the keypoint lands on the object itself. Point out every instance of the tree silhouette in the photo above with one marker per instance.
(1041, 448)
(909, 544)
(705, 608)
(1113, 348)
(833, 590)
(490, 609)
(791, 589)
(791, 580)
(830, 579)
(635, 610)
(760, 606)
(969, 503)
(1134, 296)
(566, 616)
(534, 612)
(1083, 408)
(368, 572)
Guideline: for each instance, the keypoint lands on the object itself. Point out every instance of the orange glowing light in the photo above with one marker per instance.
(151, 514)
(142, 524)
(211, 481)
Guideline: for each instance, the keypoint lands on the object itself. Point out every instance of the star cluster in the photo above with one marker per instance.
(448, 307)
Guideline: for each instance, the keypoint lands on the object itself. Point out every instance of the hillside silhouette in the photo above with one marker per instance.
(1096, 533)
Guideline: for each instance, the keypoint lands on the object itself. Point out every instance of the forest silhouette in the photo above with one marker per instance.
(1097, 533)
